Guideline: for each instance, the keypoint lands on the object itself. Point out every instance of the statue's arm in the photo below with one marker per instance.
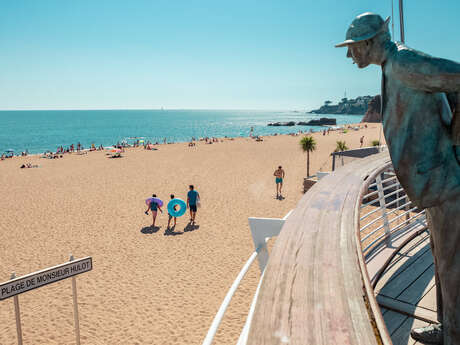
(427, 73)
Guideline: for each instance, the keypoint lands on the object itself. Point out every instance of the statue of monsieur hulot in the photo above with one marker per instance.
(421, 123)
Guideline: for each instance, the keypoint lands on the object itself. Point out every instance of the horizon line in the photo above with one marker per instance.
(163, 109)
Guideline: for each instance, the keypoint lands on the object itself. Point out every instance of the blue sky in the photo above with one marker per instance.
(198, 54)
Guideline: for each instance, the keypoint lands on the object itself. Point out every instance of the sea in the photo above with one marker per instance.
(38, 131)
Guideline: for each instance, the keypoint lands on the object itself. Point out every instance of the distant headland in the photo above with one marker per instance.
(355, 106)
(369, 106)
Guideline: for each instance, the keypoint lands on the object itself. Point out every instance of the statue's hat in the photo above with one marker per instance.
(364, 27)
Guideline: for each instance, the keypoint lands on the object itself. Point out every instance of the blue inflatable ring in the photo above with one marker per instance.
(182, 207)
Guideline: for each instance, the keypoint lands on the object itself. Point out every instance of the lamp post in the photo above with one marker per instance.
(401, 20)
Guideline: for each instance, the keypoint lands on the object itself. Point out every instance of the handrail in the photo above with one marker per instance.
(260, 237)
(315, 288)
(383, 222)
(245, 333)
(386, 237)
(372, 302)
(385, 188)
(223, 307)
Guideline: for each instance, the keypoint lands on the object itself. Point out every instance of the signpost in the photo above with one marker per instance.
(18, 315)
(18, 285)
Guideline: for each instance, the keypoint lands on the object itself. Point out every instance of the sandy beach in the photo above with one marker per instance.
(147, 286)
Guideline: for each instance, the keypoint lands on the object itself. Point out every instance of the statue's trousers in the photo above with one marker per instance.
(444, 225)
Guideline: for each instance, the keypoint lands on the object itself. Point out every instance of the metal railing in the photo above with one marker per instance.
(223, 307)
(262, 229)
(386, 215)
(386, 212)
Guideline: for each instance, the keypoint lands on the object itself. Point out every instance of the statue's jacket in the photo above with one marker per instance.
(418, 123)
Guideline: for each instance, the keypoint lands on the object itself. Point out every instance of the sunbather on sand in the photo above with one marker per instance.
(28, 165)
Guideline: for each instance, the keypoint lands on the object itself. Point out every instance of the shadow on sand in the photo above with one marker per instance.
(170, 232)
(150, 230)
(191, 227)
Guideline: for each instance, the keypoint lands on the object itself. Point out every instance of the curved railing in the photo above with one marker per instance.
(387, 220)
(386, 212)
(317, 287)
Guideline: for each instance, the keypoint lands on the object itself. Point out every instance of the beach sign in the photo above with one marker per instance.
(18, 285)
(44, 277)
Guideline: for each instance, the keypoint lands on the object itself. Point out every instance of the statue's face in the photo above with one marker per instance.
(359, 52)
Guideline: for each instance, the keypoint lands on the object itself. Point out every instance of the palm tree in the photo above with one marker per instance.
(308, 145)
(341, 146)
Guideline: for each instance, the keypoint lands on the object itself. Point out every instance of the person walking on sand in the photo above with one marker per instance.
(279, 174)
(170, 216)
(153, 206)
(361, 141)
(192, 199)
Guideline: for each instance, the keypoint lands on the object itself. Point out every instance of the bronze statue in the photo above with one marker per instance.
(422, 130)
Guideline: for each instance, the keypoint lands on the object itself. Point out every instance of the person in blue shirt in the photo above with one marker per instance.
(193, 198)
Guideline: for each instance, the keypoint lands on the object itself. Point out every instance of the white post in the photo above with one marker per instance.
(261, 228)
(381, 194)
(75, 306)
(17, 314)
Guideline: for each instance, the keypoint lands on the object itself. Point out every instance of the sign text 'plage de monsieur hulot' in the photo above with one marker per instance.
(44, 277)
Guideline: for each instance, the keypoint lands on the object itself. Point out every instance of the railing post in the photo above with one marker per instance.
(406, 199)
(261, 228)
(262, 256)
(381, 194)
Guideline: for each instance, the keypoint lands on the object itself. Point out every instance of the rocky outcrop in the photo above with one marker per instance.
(346, 106)
(324, 121)
(276, 124)
(373, 110)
